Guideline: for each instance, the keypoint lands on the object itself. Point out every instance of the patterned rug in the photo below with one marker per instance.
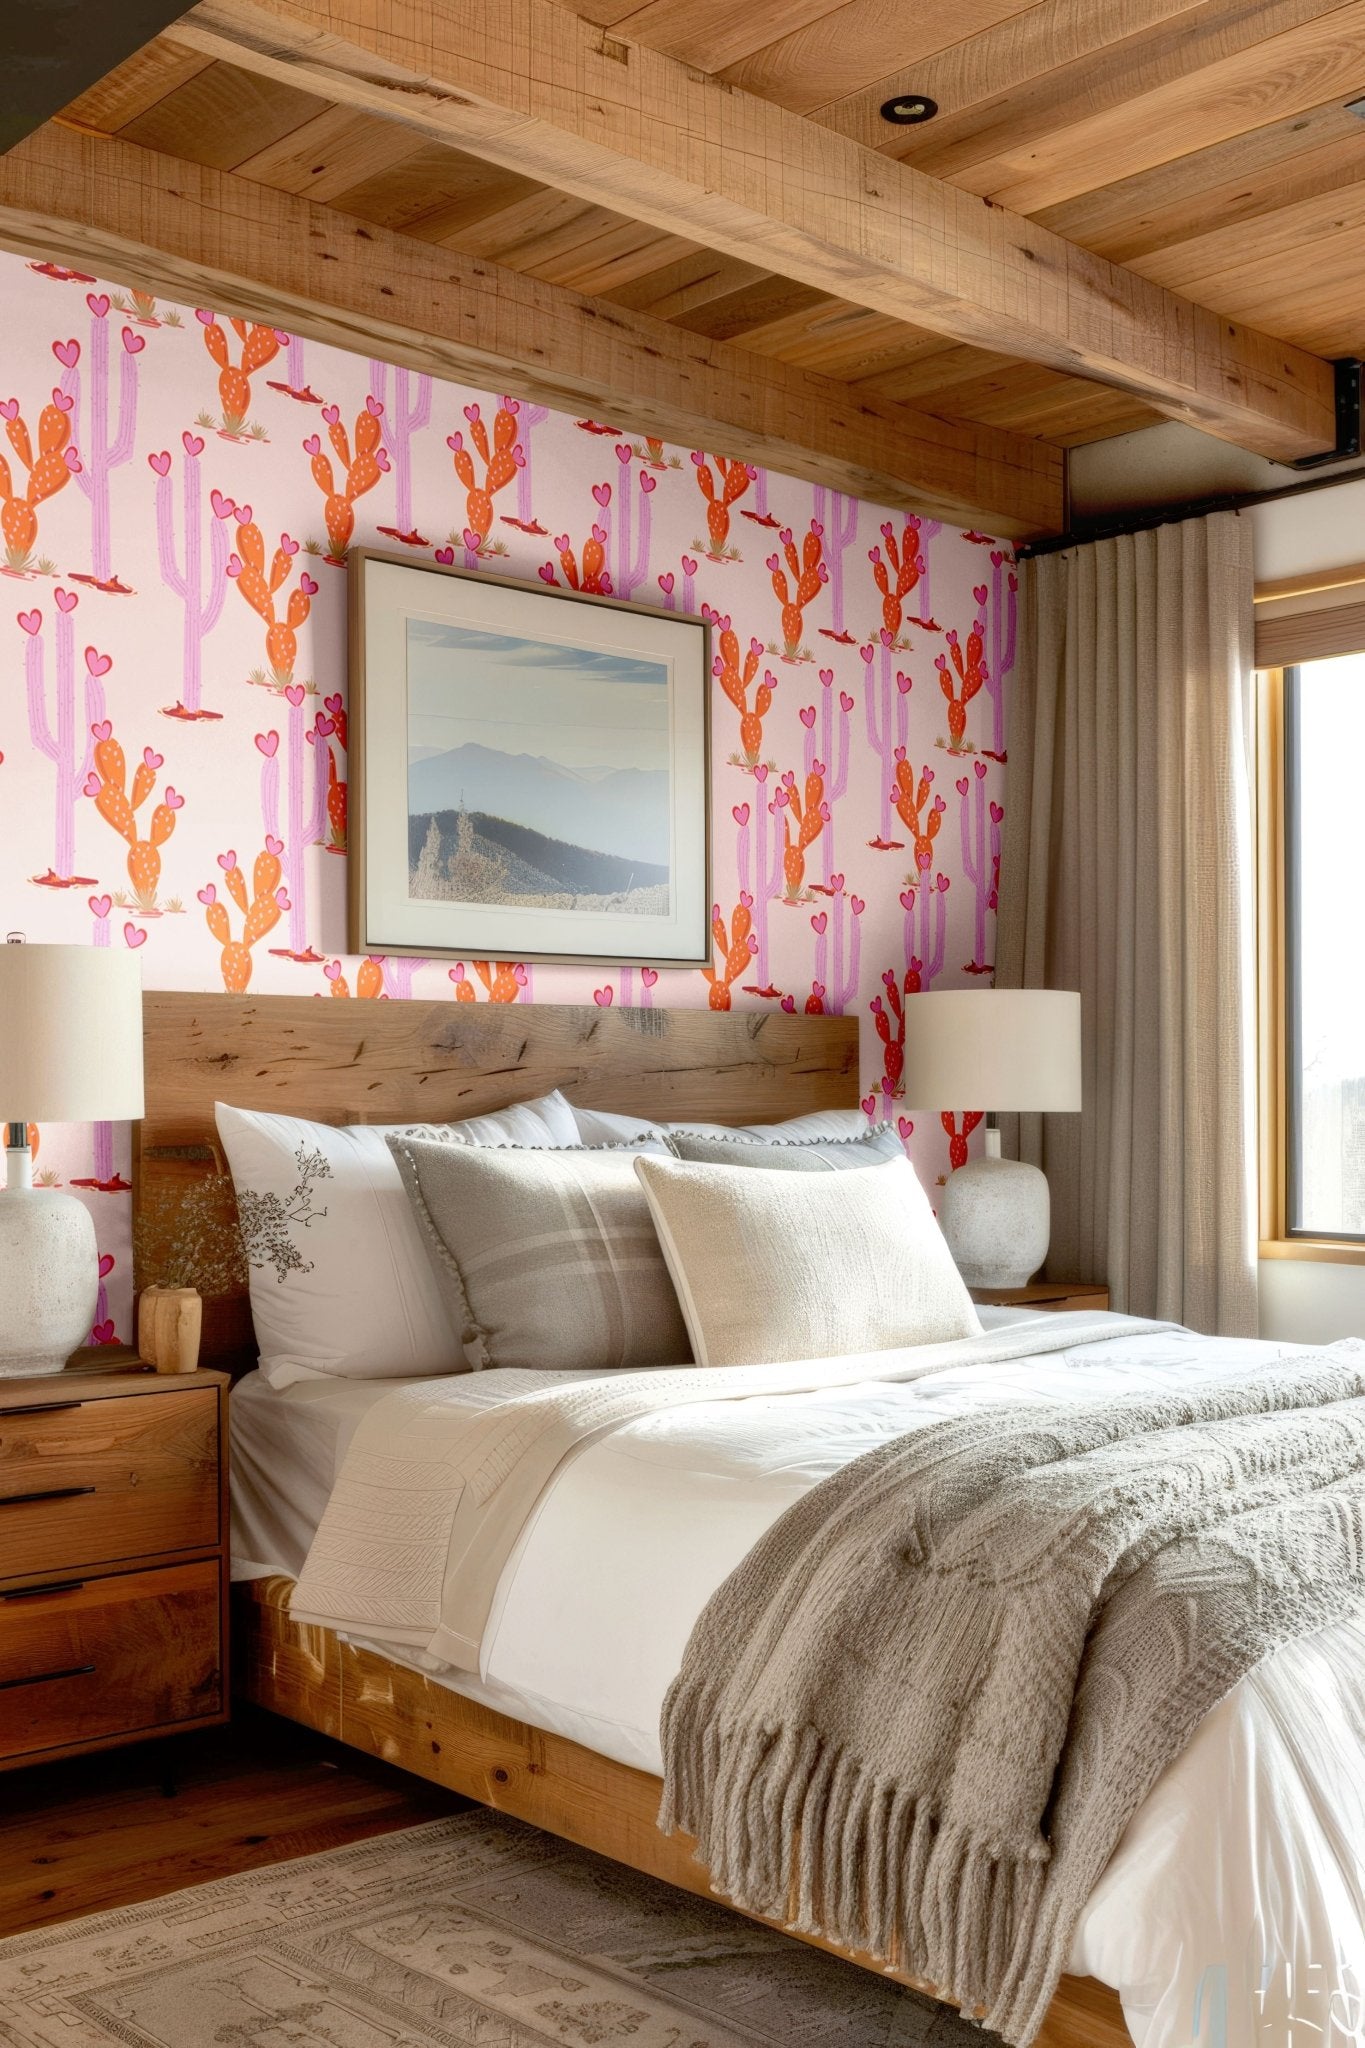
(472, 1932)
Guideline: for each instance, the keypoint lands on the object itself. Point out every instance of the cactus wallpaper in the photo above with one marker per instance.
(178, 491)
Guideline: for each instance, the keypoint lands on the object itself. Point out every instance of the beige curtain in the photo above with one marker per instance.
(1127, 872)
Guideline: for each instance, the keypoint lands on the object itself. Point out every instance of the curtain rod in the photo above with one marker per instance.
(1146, 518)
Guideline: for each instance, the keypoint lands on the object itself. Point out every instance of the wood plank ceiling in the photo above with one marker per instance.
(1206, 146)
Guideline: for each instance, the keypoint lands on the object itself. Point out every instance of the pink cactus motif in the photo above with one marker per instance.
(406, 407)
(103, 449)
(837, 515)
(838, 938)
(980, 822)
(631, 567)
(886, 705)
(832, 720)
(1004, 619)
(200, 587)
(62, 730)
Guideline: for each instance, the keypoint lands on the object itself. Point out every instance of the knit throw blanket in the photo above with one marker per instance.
(918, 1717)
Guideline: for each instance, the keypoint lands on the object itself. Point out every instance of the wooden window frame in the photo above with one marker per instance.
(1273, 991)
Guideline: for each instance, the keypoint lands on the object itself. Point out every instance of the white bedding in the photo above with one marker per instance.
(1234, 1911)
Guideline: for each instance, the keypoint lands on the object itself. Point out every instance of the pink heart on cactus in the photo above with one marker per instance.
(333, 703)
(699, 458)
(282, 898)
(904, 683)
(602, 997)
(333, 970)
(602, 493)
(623, 451)
(649, 975)
(471, 413)
(519, 453)
(808, 716)
(281, 336)
(381, 459)
(997, 557)
(520, 976)
(287, 546)
(132, 937)
(996, 814)
(907, 899)
(324, 727)
(92, 785)
(133, 344)
(266, 743)
(857, 905)
(746, 899)
(63, 400)
(473, 541)
(105, 1333)
(173, 799)
(68, 353)
(648, 483)
(31, 622)
(312, 446)
(445, 556)
(869, 1104)
(153, 759)
(845, 701)
(228, 861)
(689, 566)
(273, 845)
(208, 895)
(295, 693)
(100, 906)
(836, 883)
(599, 534)
(789, 1004)
(818, 924)
(193, 444)
(307, 585)
(979, 593)
(9, 409)
(72, 461)
(963, 785)
(205, 318)
(98, 664)
(826, 677)
(66, 600)
(234, 565)
(331, 413)
(785, 536)
(223, 508)
(161, 463)
(979, 770)
(106, 1265)
(375, 406)
(904, 1128)
(817, 989)
(243, 513)
(740, 814)
(456, 973)
(666, 583)
(761, 772)
(941, 884)
(773, 562)
(455, 443)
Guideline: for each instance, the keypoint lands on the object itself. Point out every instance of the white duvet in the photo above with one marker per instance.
(1233, 1913)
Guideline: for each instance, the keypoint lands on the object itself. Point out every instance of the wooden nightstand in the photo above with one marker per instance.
(113, 1557)
(1056, 1294)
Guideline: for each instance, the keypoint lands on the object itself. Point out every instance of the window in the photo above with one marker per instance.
(1313, 1009)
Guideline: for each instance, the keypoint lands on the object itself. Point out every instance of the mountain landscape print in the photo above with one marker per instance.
(538, 773)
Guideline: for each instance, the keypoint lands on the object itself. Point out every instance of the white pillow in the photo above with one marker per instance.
(770, 1267)
(606, 1127)
(341, 1285)
(821, 1123)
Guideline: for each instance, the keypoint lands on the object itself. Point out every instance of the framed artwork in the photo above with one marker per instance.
(529, 771)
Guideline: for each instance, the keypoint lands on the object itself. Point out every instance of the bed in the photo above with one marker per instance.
(558, 1727)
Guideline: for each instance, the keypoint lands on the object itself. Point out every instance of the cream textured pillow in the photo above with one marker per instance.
(778, 1266)
(544, 1258)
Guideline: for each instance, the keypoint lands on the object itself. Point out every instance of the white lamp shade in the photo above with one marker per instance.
(993, 1049)
(70, 1034)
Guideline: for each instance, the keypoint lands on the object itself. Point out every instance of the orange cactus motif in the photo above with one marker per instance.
(736, 947)
(734, 480)
(247, 569)
(811, 813)
(369, 981)
(48, 472)
(897, 575)
(259, 346)
(808, 573)
(957, 1139)
(971, 673)
(362, 471)
(889, 1018)
(592, 576)
(910, 798)
(735, 679)
(501, 461)
(261, 911)
(503, 979)
(107, 784)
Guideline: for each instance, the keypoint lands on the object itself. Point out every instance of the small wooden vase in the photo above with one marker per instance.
(169, 1321)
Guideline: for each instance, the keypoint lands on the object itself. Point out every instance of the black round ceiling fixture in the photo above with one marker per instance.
(908, 109)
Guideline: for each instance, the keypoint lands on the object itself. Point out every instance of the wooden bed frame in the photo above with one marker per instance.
(376, 1062)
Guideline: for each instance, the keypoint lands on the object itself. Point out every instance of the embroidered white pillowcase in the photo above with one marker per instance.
(341, 1285)
(770, 1267)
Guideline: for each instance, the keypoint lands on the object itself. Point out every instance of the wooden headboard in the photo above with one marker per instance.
(393, 1062)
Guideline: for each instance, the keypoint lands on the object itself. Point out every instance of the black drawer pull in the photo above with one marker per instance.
(47, 1677)
(18, 1500)
(53, 1586)
(43, 1408)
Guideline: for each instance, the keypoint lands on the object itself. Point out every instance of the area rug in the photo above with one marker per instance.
(471, 1932)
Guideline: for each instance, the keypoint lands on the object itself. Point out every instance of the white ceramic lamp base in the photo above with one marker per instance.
(997, 1217)
(49, 1275)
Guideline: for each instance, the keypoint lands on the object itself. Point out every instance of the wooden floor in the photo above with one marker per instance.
(135, 1823)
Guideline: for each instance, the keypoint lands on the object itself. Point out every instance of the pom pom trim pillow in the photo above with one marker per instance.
(789, 1155)
(341, 1285)
(771, 1267)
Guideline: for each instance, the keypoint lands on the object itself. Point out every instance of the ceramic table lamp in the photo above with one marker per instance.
(995, 1049)
(70, 1052)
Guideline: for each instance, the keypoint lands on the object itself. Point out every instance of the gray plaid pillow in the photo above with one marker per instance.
(789, 1155)
(544, 1258)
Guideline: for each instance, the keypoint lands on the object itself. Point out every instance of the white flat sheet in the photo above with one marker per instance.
(1233, 1913)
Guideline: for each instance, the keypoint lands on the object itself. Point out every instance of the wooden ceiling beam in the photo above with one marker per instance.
(211, 238)
(526, 84)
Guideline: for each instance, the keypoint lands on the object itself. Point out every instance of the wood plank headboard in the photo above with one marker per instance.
(392, 1062)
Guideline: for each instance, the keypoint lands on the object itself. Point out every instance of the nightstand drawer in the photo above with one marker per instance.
(91, 1482)
(81, 1663)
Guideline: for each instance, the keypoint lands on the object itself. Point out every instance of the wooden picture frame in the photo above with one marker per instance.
(565, 712)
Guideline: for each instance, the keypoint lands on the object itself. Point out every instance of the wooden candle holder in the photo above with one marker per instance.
(169, 1322)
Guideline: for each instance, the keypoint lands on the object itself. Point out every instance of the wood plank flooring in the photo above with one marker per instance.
(132, 1824)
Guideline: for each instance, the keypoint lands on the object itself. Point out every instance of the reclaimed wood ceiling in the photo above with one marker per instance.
(1206, 147)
